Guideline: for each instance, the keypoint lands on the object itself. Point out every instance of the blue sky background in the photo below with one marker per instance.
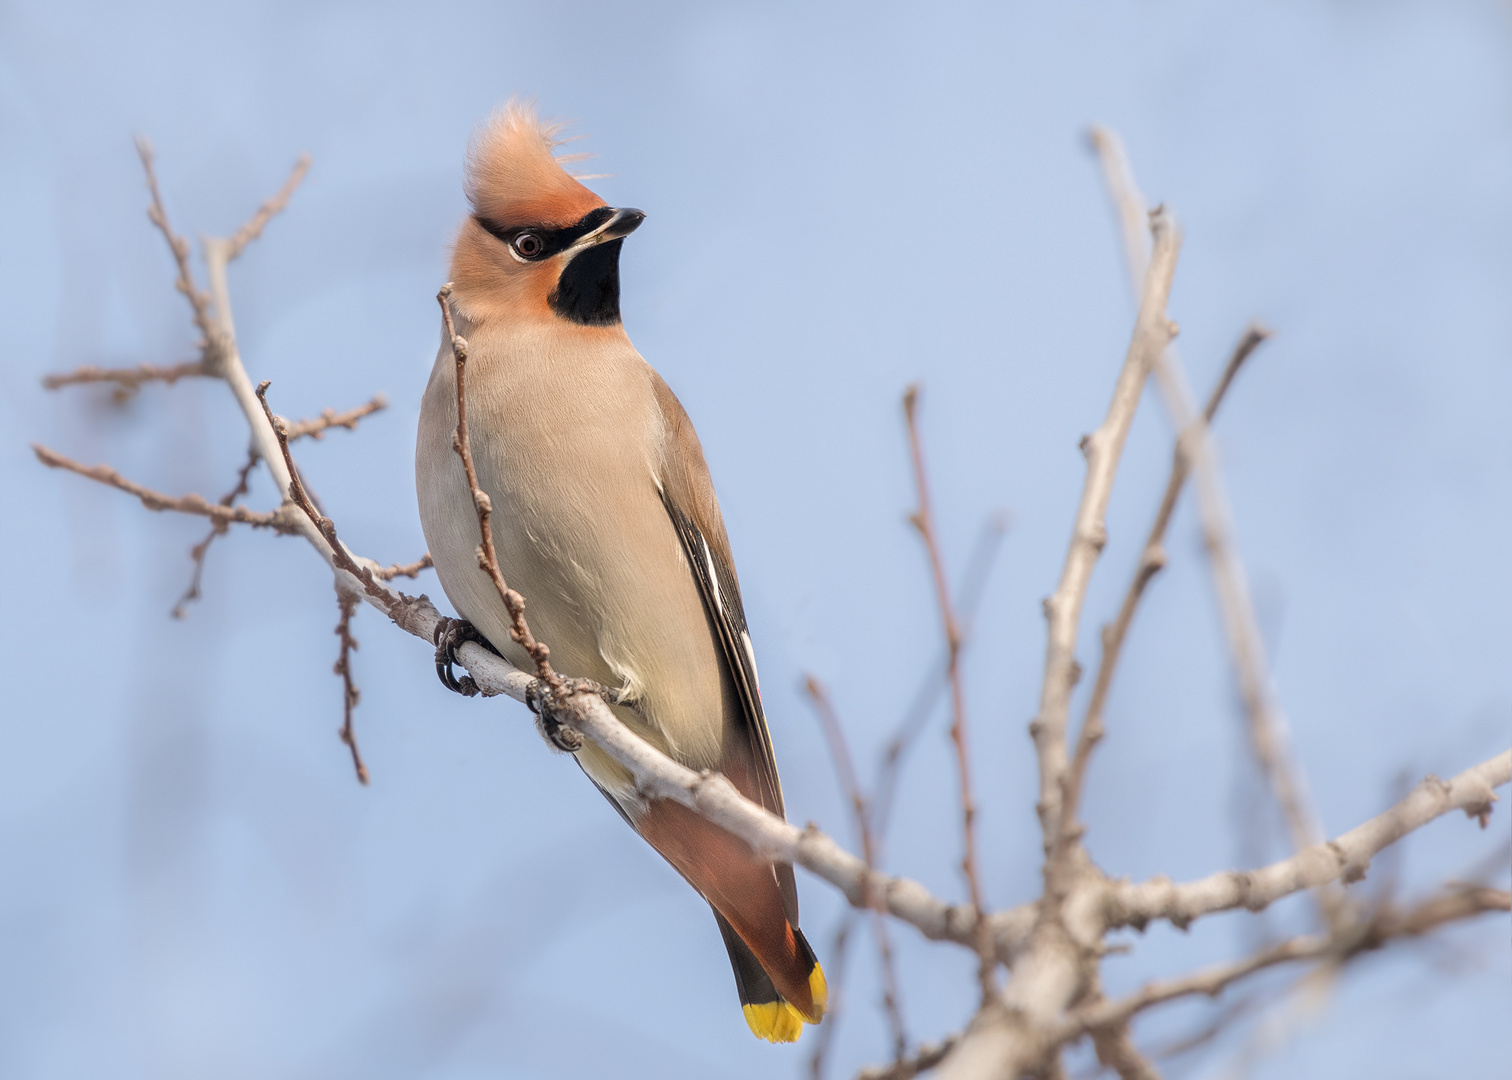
(842, 199)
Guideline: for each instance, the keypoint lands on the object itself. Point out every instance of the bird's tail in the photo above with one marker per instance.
(770, 1015)
(780, 982)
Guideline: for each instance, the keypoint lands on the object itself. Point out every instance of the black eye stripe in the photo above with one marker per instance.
(553, 241)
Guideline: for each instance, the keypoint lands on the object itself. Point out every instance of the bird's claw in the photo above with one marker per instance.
(539, 701)
(450, 635)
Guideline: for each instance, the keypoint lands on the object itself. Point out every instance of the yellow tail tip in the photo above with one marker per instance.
(774, 1021)
(818, 993)
(780, 1021)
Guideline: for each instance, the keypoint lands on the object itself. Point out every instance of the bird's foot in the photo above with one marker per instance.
(540, 701)
(451, 635)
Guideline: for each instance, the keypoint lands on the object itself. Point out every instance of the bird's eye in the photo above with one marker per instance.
(529, 245)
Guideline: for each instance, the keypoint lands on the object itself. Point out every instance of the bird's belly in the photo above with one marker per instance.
(582, 535)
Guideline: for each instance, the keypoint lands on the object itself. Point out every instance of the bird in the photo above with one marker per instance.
(606, 522)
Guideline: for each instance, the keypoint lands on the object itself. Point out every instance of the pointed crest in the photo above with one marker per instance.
(512, 177)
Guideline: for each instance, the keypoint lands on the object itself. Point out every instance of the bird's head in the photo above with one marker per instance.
(538, 244)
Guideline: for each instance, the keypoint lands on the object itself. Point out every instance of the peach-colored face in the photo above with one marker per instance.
(488, 283)
(513, 181)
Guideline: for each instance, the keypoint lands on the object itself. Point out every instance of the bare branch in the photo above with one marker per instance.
(1151, 560)
(350, 695)
(198, 301)
(1255, 335)
(1152, 333)
(835, 735)
(923, 520)
(127, 379)
(409, 570)
(154, 500)
(330, 418)
(200, 550)
(265, 213)
(1343, 859)
(1008, 1035)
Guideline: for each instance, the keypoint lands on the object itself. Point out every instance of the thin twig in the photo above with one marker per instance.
(936, 680)
(128, 379)
(1151, 560)
(409, 570)
(390, 602)
(155, 500)
(265, 213)
(923, 520)
(350, 695)
(198, 552)
(199, 302)
(330, 418)
(834, 734)
(488, 559)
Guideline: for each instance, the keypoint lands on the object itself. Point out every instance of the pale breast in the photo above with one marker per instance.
(567, 438)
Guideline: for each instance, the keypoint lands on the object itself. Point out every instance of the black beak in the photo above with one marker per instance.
(615, 224)
(623, 222)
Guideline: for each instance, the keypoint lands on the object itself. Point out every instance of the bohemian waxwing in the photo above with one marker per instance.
(605, 520)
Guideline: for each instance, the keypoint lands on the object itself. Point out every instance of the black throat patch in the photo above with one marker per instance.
(588, 290)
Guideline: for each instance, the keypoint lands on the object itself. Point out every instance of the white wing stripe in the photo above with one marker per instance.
(750, 651)
(713, 578)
